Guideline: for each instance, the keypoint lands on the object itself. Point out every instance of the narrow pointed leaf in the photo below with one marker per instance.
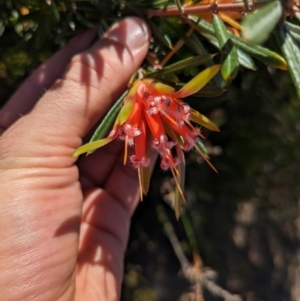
(257, 26)
(90, 147)
(292, 27)
(291, 52)
(296, 37)
(182, 64)
(145, 178)
(294, 31)
(198, 82)
(108, 120)
(202, 147)
(245, 60)
(125, 112)
(195, 44)
(230, 21)
(261, 53)
(202, 120)
(230, 62)
(163, 88)
(146, 171)
(163, 38)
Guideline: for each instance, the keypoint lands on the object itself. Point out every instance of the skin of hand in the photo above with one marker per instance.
(64, 224)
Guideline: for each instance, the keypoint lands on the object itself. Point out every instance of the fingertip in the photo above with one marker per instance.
(132, 33)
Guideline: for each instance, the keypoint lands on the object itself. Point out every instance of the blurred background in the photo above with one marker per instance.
(240, 228)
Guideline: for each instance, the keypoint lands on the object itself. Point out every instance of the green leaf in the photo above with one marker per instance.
(202, 147)
(195, 44)
(230, 62)
(163, 38)
(90, 147)
(125, 112)
(178, 4)
(294, 31)
(245, 60)
(258, 25)
(261, 53)
(146, 171)
(108, 120)
(198, 82)
(292, 27)
(203, 120)
(291, 53)
(182, 64)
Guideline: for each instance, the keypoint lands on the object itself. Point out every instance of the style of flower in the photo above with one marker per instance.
(153, 116)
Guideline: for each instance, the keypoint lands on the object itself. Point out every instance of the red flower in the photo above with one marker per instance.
(153, 116)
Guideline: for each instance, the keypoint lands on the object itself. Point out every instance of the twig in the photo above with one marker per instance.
(204, 8)
(195, 274)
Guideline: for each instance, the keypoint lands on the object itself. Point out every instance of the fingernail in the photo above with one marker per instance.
(131, 32)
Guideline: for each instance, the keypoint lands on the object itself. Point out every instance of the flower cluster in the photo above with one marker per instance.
(168, 120)
(153, 117)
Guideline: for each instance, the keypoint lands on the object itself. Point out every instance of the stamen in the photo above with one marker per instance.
(163, 144)
(140, 183)
(152, 110)
(144, 162)
(131, 131)
(169, 162)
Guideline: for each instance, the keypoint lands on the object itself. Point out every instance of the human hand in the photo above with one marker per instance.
(65, 225)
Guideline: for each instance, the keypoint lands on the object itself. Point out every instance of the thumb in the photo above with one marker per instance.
(92, 82)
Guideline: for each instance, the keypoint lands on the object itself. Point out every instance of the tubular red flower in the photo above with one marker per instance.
(155, 110)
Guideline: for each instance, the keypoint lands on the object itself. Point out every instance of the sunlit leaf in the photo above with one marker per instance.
(258, 25)
(230, 21)
(146, 171)
(203, 120)
(90, 147)
(245, 60)
(294, 31)
(261, 53)
(108, 120)
(230, 62)
(163, 88)
(292, 27)
(125, 112)
(198, 82)
(291, 52)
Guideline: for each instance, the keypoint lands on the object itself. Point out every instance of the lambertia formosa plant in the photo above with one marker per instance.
(154, 109)
(151, 115)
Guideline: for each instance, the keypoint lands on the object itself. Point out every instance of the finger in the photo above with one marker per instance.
(93, 81)
(36, 85)
(104, 233)
(102, 160)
